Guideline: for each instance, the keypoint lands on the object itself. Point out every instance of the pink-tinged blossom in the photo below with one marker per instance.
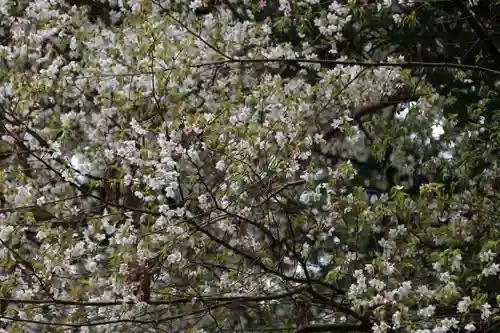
(285, 6)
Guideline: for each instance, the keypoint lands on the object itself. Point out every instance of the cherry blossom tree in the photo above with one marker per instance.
(227, 166)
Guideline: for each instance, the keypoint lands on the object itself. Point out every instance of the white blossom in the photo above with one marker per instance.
(493, 269)
(220, 165)
(487, 256)
(470, 327)
(5, 232)
(463, 305)
(486, 311)
(427, 312)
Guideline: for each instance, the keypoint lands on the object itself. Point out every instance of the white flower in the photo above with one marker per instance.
(285, 6)
(208, 116)
(39, 317)
(383, 327)
(493, 269)
(220, 165)
(440, 329)
(486, 256)
(449, 322)
(41, 201)
(127, 180)
(378, 299)
(73, 45)
(470, 327)
(170, 192)
(91, 266)
(195, 4)
(427, 312)
(305, 250)
(389, 268)
(485, 311)
(389, 296)
(337, 123)
(318, 138)
(280, 138)
(405, 289)
(174, 257)
(358, 274)
(444, 277)
(370, 269)
(437, 266)
(123, 270)
(463, 305)
(136, 127)
(377, 284)
(73, 269)
(396, 320)
(5, 232)
(74, 210)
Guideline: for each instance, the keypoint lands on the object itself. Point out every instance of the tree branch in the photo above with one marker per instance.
(341, 328)
(333, 63)
(478, 29)
(182, 300)
(363, 111)
(275, 193)
(113, 322)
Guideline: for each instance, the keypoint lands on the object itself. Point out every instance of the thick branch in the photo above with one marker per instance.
(340, 328)
(332, 63)
(363, 111)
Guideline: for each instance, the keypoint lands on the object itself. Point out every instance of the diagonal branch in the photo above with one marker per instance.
(364, 111)
(478, 29)
(278, 191)
(30, 267)
(339, 328)
(193, 33)
(256, 260)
